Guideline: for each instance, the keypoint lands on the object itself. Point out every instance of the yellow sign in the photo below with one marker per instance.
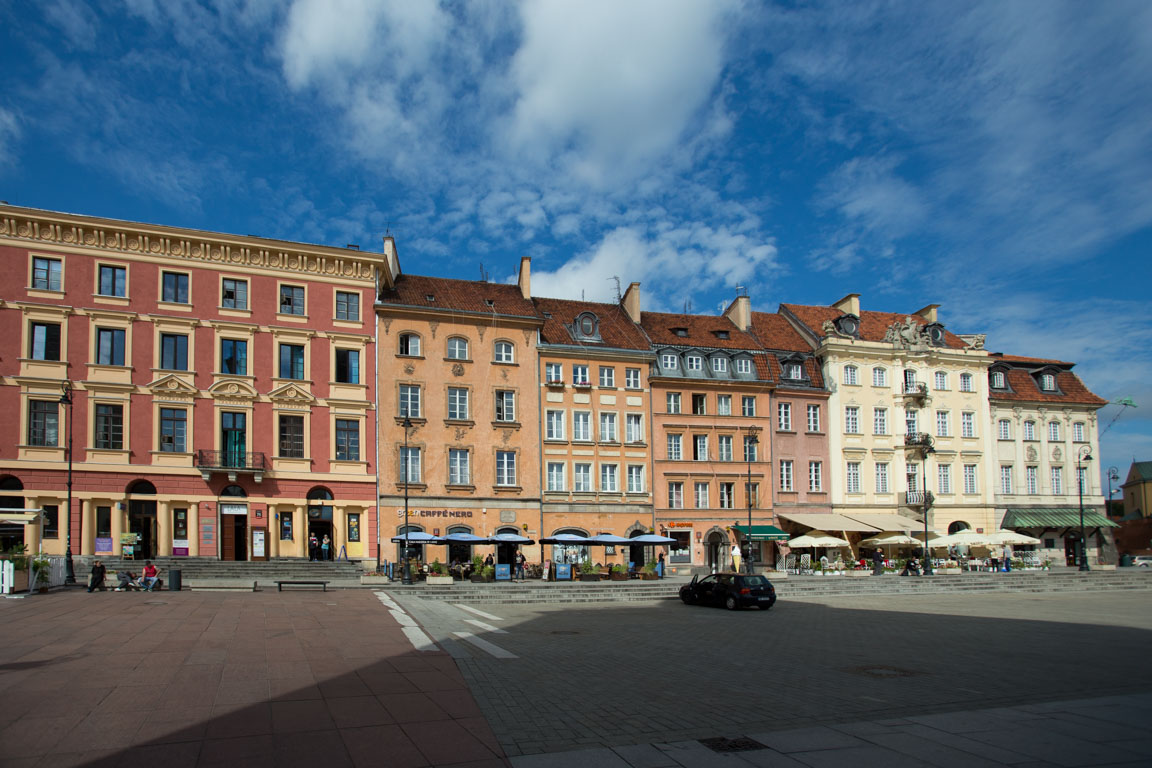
(128, 538)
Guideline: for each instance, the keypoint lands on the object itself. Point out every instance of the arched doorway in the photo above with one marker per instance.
(142, 521)
(638, 554)
(505, 552)
(320, 519)
(716, 551)
(570, 553)
(11, 534)
(233, 523)
(415, 549)
(958, 526)
(459, 552)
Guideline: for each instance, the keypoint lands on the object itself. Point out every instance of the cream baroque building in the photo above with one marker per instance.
(908, 413)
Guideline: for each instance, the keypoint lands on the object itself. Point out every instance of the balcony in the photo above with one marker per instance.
(917, 499)
(232, 462)
(920, 440)
(915, 390)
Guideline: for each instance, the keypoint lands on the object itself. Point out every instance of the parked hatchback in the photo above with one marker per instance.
(731, 590)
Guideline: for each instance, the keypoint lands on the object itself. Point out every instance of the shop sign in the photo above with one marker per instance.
(563, 572)
(258, 542)
(680, 524)
(104, 545)
(234, 509)
(439, 513)
(180, 547)
(504, 572)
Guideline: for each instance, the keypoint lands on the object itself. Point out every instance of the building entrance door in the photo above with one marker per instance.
(1071, 550)
(713, 549)
(322, 528)
(142, 522)
(234, 536)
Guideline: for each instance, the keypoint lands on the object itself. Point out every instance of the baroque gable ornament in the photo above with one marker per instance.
(292, 393)
(232, 390)
(458, 369)
(1031, 453)
(907, 334)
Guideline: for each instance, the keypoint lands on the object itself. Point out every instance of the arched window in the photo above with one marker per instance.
(409, 345)
(850, 375)
(958, 526)
(142, 487)
(7, 486)
(505, 352)
(571, 553)
(457, 348)
(879, 377)
(320, 493)
(234, 491)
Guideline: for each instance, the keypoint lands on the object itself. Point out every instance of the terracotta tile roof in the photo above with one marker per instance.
(700, 331)
(1025, 389)
(616, 328)
(776, 334)
(1033, 361)
(873, 325)
(459, 295)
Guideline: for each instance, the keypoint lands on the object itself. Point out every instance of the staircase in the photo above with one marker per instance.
(199, 572)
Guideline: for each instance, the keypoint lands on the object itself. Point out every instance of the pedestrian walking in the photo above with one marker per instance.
(313, 546)
(660, 566)
(1007, 558)
(520, 560)
(877, 563)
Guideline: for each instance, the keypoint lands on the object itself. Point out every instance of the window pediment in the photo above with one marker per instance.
(173, 385)
(232, 389)
(292, 393)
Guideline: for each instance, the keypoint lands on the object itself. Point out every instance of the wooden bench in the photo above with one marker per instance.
(321, 584)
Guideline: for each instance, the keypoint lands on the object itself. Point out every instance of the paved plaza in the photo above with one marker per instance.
(374, 678)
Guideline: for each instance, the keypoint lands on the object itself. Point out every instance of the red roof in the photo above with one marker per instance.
(1034, 361)
(1025, 388)
(699, 331)
(777, 334)
(873, 325)
(616, 328)
(461, 295)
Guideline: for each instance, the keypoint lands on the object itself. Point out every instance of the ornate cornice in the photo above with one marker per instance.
(46, 228)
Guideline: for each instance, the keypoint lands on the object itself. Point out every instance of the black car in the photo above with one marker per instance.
(731, 590)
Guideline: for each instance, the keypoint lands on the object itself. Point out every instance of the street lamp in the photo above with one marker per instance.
(69, 570)
(1113, 476)
(928, 449)
(752, 441)
(407, 578)
(1084, 455)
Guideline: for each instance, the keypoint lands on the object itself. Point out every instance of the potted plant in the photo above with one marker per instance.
(619, 572)
(488, 573)
(41, 569)
(477, 574)
(648, 572)
(15, 553)
(438, 574)
(589, 571)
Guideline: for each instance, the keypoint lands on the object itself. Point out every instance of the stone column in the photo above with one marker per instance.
(119, 519)
(86, 542)
(339, 530)
(193, 530)
(163, 529)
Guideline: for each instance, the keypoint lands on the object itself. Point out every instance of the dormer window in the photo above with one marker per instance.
(743, 365)
(1048, 382)
(721, 334)
(998, 381)
(669, 362)
(720, 365)
(793, 371)
(935, 333)
(586, 327)
(681, 332)
(695, 362)
(849, 325)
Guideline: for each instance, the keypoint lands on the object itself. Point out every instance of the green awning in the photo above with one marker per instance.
(1054, 517)
(763, 533)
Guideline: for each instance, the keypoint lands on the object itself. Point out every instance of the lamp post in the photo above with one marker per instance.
(407, 578)
(1084, 455)
(928, 449)
(1113, 475)
(69, 570)
(753, 441)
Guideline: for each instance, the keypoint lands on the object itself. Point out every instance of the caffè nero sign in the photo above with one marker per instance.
(436, 513)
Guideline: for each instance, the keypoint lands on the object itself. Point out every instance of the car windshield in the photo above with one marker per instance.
(754, 581)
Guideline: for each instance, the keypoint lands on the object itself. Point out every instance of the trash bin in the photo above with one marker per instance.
(1126, 561)
(174, 580)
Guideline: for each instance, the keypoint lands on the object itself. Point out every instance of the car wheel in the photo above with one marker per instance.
(730, 603)
(687, 598)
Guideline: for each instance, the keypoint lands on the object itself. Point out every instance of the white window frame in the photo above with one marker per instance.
(609, 432)
(851, 419)
(669, 361)
(967, 424)
(609, 478)
(852, 477)
(694, 363)
(635, 478)
(675, 447)
(787, 475)
(700, 447)
(412, 341)
(580, 375)
(719, 365)
(504, 352)
(1078, 432)
(505, 400)
(458, 397)
(944, 423)
(1004, 429)
(700, 495)
(453, 348)
(879, 421)
(554, 425)
(673, 402)
(582, 426)
(743, 365)
(748, 405)
(970, 485)
(723, 405)
(879, 376)
(459, 466)
(940, 381)
(582, 477)
(632, 378)
(409, 401)
(634, 428)
(966, 383)
(1057, 478)
(555, 477)
(505, 469)
(851, 375)
(784, 417)
(676, 495)
(944, 478)
(607, 376)
(882, 479)
(815, 477)
(1032, 480)
(553, 373)
(1054, 432)
(1006, 480)
(724, 447)
(813, 418)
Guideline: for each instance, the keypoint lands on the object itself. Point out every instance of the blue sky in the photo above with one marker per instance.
(994, 158)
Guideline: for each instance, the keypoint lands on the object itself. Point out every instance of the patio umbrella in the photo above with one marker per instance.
(651, 538)
(816, 539)
(966, 537)
(510, 538)
(566, 538)
(464, 538)
(1012, 537)
(418, 537)
(609, 539)
(893, 538)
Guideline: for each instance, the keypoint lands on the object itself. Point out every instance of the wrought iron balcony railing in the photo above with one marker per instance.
(915, 388)
(232, 461)
(917, 440)
(917, 498)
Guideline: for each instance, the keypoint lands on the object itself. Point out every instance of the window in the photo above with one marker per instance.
(555, 476)
(409, 401)
(174, 288)
(348, 440)
(719, 365)
(701, 495)
(635, 478)
(966, 383)
(632, 378)
(700, 448)
(970, 478)
(700, 405)
(291, 437)
(1057, 480)
(911, 474)
(944, 478)
(676, 495)
(793, 371)
(1006, 479)
(1031, 481)
(553, 373)
(285, 525)
(634, 428)
(786, 475)
(582, 478)
(1054, 431)
(750, 447)
(850, 375)
(234, 357)
(173, 351)
(113, 281)
(505, 405)
(941, 380)
(724, 405)
(554, 425)
(43, 422)
(673, 402)
(457, 348)
(460, 467)
(675, 443)
(353, 526)
(694, 363)
(724, 447)
(879, 421)
(815, 476)
(608, 428)
(669, 362)
(45, 341)
(911, 422)
(292, 361)
(173, 430)
(504, 352)
(51, 521)
(852, 477)
(852, 419)
(743, 365)
(609, 481)
(104, 522)
(943, 423)
(582, 426)
(607, 376)
(110, 427)
(233, 294)
(458, 409)
(753, 493)
(410, 464)
(1078, 432)
(348, 366)
(813, 418)
(1004, 429)
(1082, 479)
(727, 495)
(46, 274)
(882, 477)
(109, 346)
(997, 380)
(291, 300)
(1047, 382)
(409, 345)
(879, 377)
(505, 468)
(580, 375)
(748, 405)
(1029, 430)
(347, 306)
(784, 417)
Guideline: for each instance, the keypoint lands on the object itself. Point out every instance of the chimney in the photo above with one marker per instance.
(740, 313)
(849, 305)
(631, 302)
(391, 268)
(524, 280)
(929, 312)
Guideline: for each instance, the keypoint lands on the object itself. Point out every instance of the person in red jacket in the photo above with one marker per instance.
(150, 575)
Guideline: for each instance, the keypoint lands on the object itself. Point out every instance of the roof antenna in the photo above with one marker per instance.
(619, 297)
(483, 273)
(741, 291)
(687, 306)
(388, 229)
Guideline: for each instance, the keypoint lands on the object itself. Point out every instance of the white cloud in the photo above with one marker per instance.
(9, 134)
